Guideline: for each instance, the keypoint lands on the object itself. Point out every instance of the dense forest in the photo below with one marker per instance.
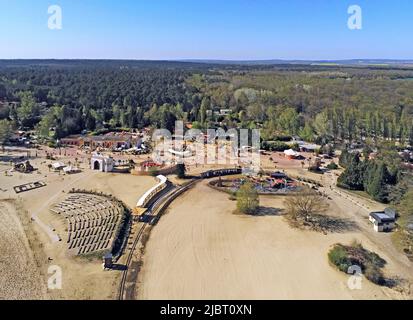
(328, 103)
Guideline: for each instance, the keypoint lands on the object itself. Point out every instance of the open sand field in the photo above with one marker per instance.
(20, 276)
(201, 250)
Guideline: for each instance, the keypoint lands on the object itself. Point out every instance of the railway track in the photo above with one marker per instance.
(156, 208)
(153, 208)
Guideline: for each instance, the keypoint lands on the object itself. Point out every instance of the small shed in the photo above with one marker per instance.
(108, 261)
(71, 170)
(58, 166)
(383, 221)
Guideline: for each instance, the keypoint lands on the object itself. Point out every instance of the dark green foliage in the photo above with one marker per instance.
(346, 158)
(353, 176)
(338, 256)
(275, 146)
(376, 180)
(343, 257)
(332, 166)
(247, 199)
(371, 176)
(180, 170)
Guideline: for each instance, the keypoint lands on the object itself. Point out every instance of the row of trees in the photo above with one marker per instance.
(382, 178)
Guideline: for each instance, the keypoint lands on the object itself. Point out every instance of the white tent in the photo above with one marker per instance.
(71, 170)
(291, 153)
(58, 165)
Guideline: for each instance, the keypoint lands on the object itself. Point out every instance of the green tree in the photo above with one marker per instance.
(352, 178)
(307, 133)
(321, 124)
(205, 105)
(376, 180)
(5, 131)
(247, 199)
(27, 111)
(181, 170)
(289, 121)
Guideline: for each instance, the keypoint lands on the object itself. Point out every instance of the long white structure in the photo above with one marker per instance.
(182, 154)
(143, 201)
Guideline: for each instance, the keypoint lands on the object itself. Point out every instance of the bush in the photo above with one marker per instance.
(332, 166)
(374, 274)
(247, 199)
(371, 263)
(338, 256)
(153, 172)
(275, 146)
(180, 170)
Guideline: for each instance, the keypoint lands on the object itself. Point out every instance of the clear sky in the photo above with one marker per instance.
(213, 29)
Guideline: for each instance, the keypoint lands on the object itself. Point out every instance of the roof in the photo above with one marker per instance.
(309, 146)
(278, 174)
(291, 152)
(109, 138)
(57, 165)
(141, 201)
(71, 169)
(390, 212)
(381, 217)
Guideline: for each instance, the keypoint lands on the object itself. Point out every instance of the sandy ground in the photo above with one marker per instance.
(20, 276)
(201, 250)
(82, 278)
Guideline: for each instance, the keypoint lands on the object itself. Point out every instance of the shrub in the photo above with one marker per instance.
(332, 166)
(153, 172)
(371, 263)
(180, 170)
(247, 199)
(338, 256)
(275, 146)
(374, 274)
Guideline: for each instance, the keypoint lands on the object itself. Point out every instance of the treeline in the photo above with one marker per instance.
(383, 177)
(77, 98)
(340, 104)
(321, 104)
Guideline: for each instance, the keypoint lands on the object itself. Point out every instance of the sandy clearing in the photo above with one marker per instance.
(20, 277)
(201, 250)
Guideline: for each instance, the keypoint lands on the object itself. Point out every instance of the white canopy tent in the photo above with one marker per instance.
(291, 153)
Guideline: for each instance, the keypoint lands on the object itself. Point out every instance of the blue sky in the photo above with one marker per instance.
(213, 29)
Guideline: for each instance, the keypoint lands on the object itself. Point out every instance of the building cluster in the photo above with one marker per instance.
(112, 140)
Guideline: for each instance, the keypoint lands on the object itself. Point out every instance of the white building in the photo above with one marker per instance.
(58, 166)
(101, 163)
(383, 221)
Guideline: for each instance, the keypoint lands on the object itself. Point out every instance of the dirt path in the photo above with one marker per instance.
(201, 250)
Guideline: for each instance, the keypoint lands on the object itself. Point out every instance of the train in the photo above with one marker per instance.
(221, 173)
(144, 200)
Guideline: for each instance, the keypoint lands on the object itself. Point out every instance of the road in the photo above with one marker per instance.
(358, 209)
